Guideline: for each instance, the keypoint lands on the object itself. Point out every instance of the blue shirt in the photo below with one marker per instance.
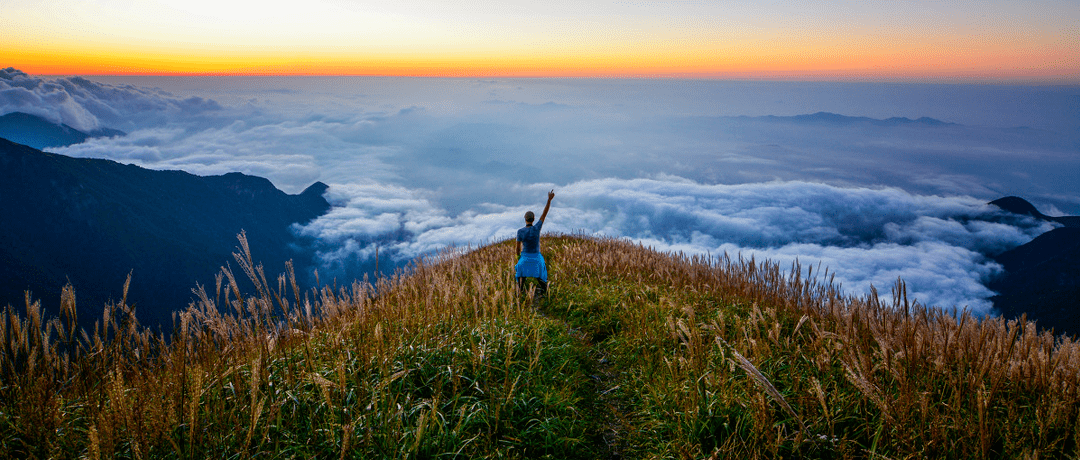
(529, 236)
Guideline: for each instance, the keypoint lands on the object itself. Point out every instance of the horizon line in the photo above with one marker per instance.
(808, 78)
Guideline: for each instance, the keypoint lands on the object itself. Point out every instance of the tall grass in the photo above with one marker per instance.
(442, 360)
(732, 357)
(632, 353)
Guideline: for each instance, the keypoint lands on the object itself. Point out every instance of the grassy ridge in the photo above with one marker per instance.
(632, 354)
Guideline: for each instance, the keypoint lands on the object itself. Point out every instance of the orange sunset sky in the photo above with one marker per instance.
(903, 40)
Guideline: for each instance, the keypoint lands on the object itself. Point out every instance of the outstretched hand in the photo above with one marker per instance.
(551, 195)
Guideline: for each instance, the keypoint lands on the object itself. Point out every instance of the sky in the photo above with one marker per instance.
(896, 40)
(874, 181)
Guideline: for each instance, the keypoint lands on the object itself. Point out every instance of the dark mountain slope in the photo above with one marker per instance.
(1042, 277)
(39, 133)
(94, 221)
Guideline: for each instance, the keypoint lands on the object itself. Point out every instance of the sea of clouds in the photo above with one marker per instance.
(703, 167)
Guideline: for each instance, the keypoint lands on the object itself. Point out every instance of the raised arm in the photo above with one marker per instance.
(547, 206)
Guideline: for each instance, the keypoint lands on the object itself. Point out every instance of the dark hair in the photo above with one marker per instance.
(529, 216)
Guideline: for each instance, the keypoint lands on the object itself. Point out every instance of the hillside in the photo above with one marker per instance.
(1042, 277)
(92, 222)
(633, 354)
(39, 133)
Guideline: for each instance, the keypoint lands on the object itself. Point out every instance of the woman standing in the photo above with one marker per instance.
(530, 262)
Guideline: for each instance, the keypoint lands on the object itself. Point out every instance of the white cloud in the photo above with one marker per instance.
(938, 245)
(87, 105)
(21, 93)
(935, 273)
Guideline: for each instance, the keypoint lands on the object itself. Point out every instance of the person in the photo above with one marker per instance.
(530, 262)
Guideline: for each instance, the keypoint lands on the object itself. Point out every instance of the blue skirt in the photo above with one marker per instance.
(531, 265)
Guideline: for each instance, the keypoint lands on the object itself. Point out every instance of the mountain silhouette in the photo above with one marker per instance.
(1042, 277)
(834, 119)
(1017, 205)
(39, 133)
(91, 222)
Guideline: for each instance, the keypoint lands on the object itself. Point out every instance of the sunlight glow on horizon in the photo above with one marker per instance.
(987, 40)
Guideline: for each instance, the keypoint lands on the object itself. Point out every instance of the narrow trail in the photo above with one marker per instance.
(607, 410)
(608, 406)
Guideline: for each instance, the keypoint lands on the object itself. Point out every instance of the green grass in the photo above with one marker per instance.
(632, 354)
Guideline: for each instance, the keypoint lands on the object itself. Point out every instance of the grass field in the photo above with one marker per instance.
(632, 354)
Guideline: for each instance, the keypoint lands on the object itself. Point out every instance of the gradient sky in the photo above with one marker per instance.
(986, 40)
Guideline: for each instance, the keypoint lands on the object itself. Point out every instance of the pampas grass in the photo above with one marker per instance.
(632, 354)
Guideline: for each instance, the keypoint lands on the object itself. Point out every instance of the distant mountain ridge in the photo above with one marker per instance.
(39, 133)
(91, 222)
(829, 118)
(1042, 277)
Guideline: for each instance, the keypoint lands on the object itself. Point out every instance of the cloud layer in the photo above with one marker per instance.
(87, 105)
(866, 236)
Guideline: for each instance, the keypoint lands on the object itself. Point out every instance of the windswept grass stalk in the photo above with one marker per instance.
(763, 381)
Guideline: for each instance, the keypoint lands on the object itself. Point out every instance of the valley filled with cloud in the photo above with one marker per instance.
(874, 181)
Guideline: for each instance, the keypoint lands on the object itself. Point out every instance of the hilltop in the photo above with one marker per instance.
(633, 354)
